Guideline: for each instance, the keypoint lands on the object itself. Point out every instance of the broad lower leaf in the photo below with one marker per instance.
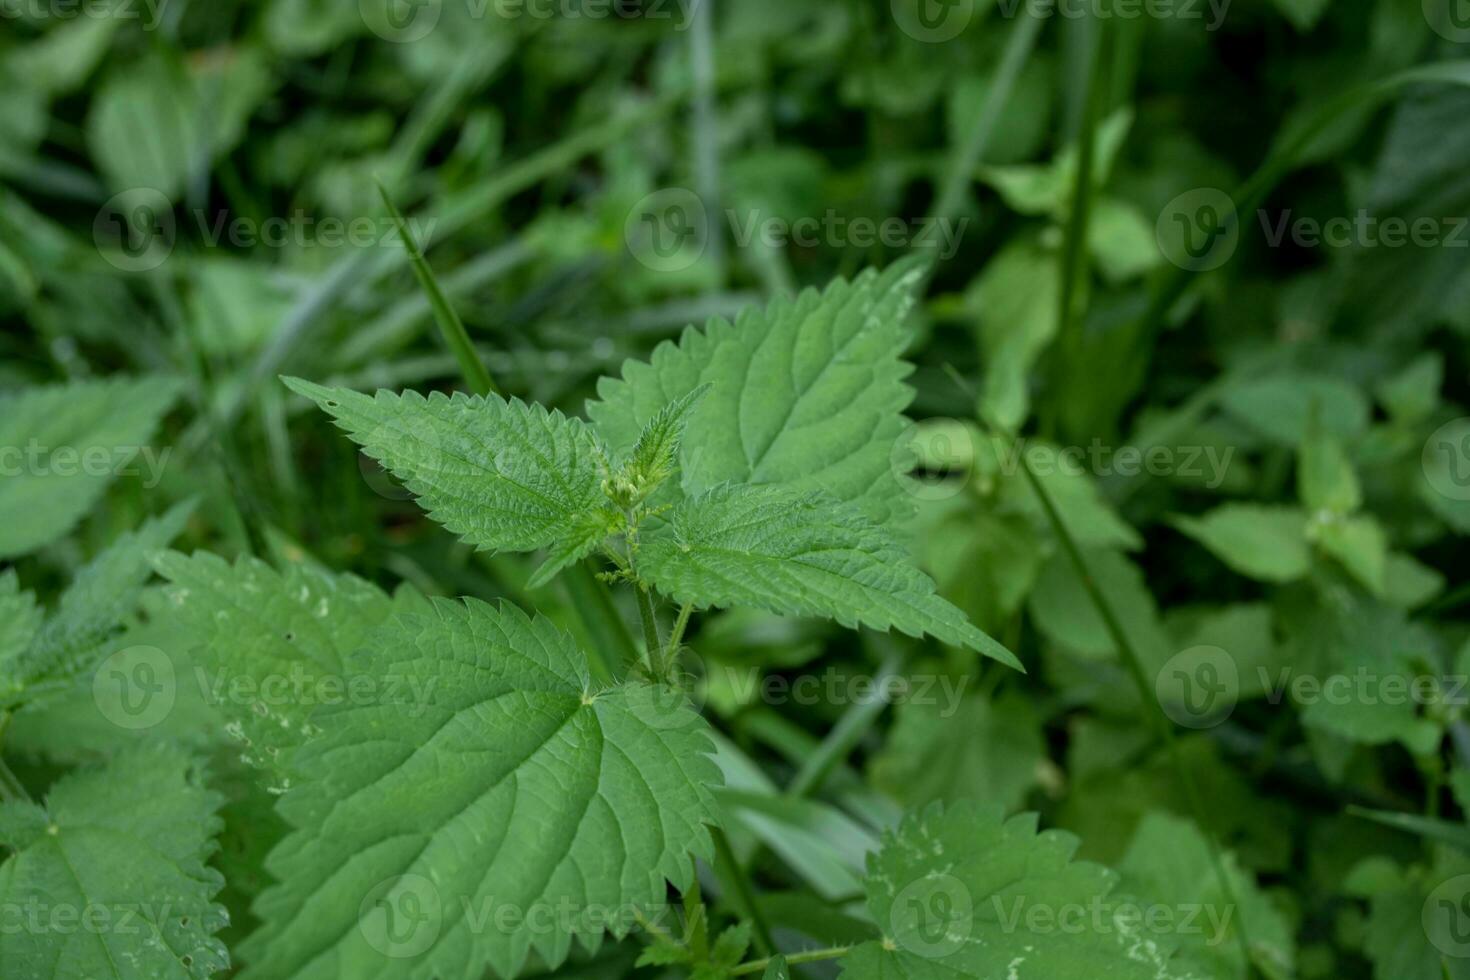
(501, 474)
(807, 394)
(61, 446)
(495, 803)
(269, 646)
(124, 849)
(802, 554)
(966, 893)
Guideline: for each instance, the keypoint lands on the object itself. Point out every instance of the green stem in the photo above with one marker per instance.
(676, 638)
(808, 956)
(734, 879)
(650, 630)
(456, 338)
(1133, 661)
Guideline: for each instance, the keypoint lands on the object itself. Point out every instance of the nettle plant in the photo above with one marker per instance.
(489, 794)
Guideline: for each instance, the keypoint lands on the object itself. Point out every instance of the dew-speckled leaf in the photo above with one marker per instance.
(269, 646)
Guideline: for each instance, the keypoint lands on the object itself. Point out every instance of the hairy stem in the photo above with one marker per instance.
(676, 638)
(650, 632)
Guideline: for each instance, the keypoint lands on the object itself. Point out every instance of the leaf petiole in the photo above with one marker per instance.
(807, 956)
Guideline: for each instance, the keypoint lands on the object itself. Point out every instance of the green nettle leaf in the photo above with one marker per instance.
(20, 618)
(1281, 407)
(1412, 395)
(1364, 661)
(802, 554)
(807, 394)
(656, 455)
(113, 871)
(1325, 478)
(94, 606)
(490, 803)
(61, 446)
(1014, 302)
(1415, 926)
(965, 892)
(1360, 544)
(1169, 861)
(270, 646)
(1061, 609)
(503, 475)
(946, 748)
(1263, 542)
